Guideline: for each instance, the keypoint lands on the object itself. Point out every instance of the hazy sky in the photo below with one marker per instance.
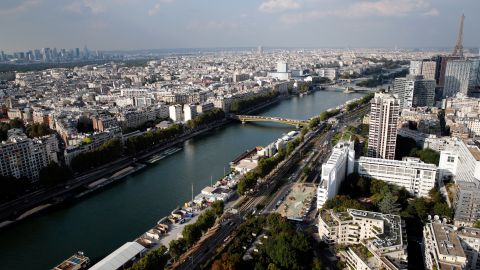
(145, 24)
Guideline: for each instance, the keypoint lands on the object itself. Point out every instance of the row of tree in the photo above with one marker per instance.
(264, 167)
(193, 232)
(364, 100)
(314, 122)
(108, 152)
(206, 118)
(144, 142)
(51, 175)
(247, 103)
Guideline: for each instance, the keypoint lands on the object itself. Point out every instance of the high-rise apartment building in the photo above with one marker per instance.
(384, 114)
(334, 171)
(457, 77)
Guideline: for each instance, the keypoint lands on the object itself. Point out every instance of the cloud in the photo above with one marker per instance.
(364, 8)
(157, 7)
(86, 6)
(390, 8)
(18, 6)
(274, 6)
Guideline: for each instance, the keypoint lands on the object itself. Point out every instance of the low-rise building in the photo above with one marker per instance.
(447, 247)
(374, 240)
(415, 176)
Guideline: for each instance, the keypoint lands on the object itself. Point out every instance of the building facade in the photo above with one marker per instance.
(382, 135)
(334, 170)
(383, 235)
(450, 247)
(416, 177)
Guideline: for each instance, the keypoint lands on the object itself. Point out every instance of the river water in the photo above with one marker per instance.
(101, 222)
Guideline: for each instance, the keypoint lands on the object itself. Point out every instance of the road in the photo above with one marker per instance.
(206, 247)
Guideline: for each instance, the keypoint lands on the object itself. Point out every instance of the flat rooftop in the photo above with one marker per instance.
(475, 152)
(298, 201)
(447, 240)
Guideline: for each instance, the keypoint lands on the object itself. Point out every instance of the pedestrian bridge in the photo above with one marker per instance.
(256, 118)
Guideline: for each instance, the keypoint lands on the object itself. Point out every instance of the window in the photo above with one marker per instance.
(451, 159)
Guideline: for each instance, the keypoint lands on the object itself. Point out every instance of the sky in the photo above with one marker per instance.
(158, 24)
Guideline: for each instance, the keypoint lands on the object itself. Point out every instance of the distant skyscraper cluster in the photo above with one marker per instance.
(47, 55)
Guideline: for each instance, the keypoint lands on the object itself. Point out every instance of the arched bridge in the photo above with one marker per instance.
(256, 118)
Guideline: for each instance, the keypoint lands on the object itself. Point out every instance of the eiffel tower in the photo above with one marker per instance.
(458, 50)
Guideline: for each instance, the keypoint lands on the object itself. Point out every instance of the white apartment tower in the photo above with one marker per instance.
(382, 135)
(189, 112)
(176, 112)
(338, 166)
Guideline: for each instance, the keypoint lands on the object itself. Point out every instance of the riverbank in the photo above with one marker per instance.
(76, 189)
(101, 222)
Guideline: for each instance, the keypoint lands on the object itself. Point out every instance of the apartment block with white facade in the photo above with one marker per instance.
(415, 176)
(24, 157)
(334, 170)
(382, 235)
(176, 112)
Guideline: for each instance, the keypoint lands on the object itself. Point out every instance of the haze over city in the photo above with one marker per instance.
(157, 24)
(239, 135)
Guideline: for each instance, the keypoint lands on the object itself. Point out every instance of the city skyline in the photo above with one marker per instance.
(162, 24)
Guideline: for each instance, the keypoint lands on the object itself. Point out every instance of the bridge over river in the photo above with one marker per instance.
(257, 118)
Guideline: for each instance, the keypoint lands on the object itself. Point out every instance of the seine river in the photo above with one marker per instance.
(101, 222)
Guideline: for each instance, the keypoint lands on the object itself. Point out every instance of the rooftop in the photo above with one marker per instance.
(298, 201)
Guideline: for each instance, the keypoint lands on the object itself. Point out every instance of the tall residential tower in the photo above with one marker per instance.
(382, 135)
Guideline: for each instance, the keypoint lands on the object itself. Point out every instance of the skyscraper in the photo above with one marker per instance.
(382, 137)
(474, 80)
(429, 69)
(457, 76)
(415, 67)
(414, 91)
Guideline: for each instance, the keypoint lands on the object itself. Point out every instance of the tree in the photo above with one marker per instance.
(38, 130)
(317, 264)
(388, 204)
(16, 123)
(177, 248)
(191, 233)
(218, 207)
(54, 174)
(442, 209)
(477, 224)
(156, 259)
